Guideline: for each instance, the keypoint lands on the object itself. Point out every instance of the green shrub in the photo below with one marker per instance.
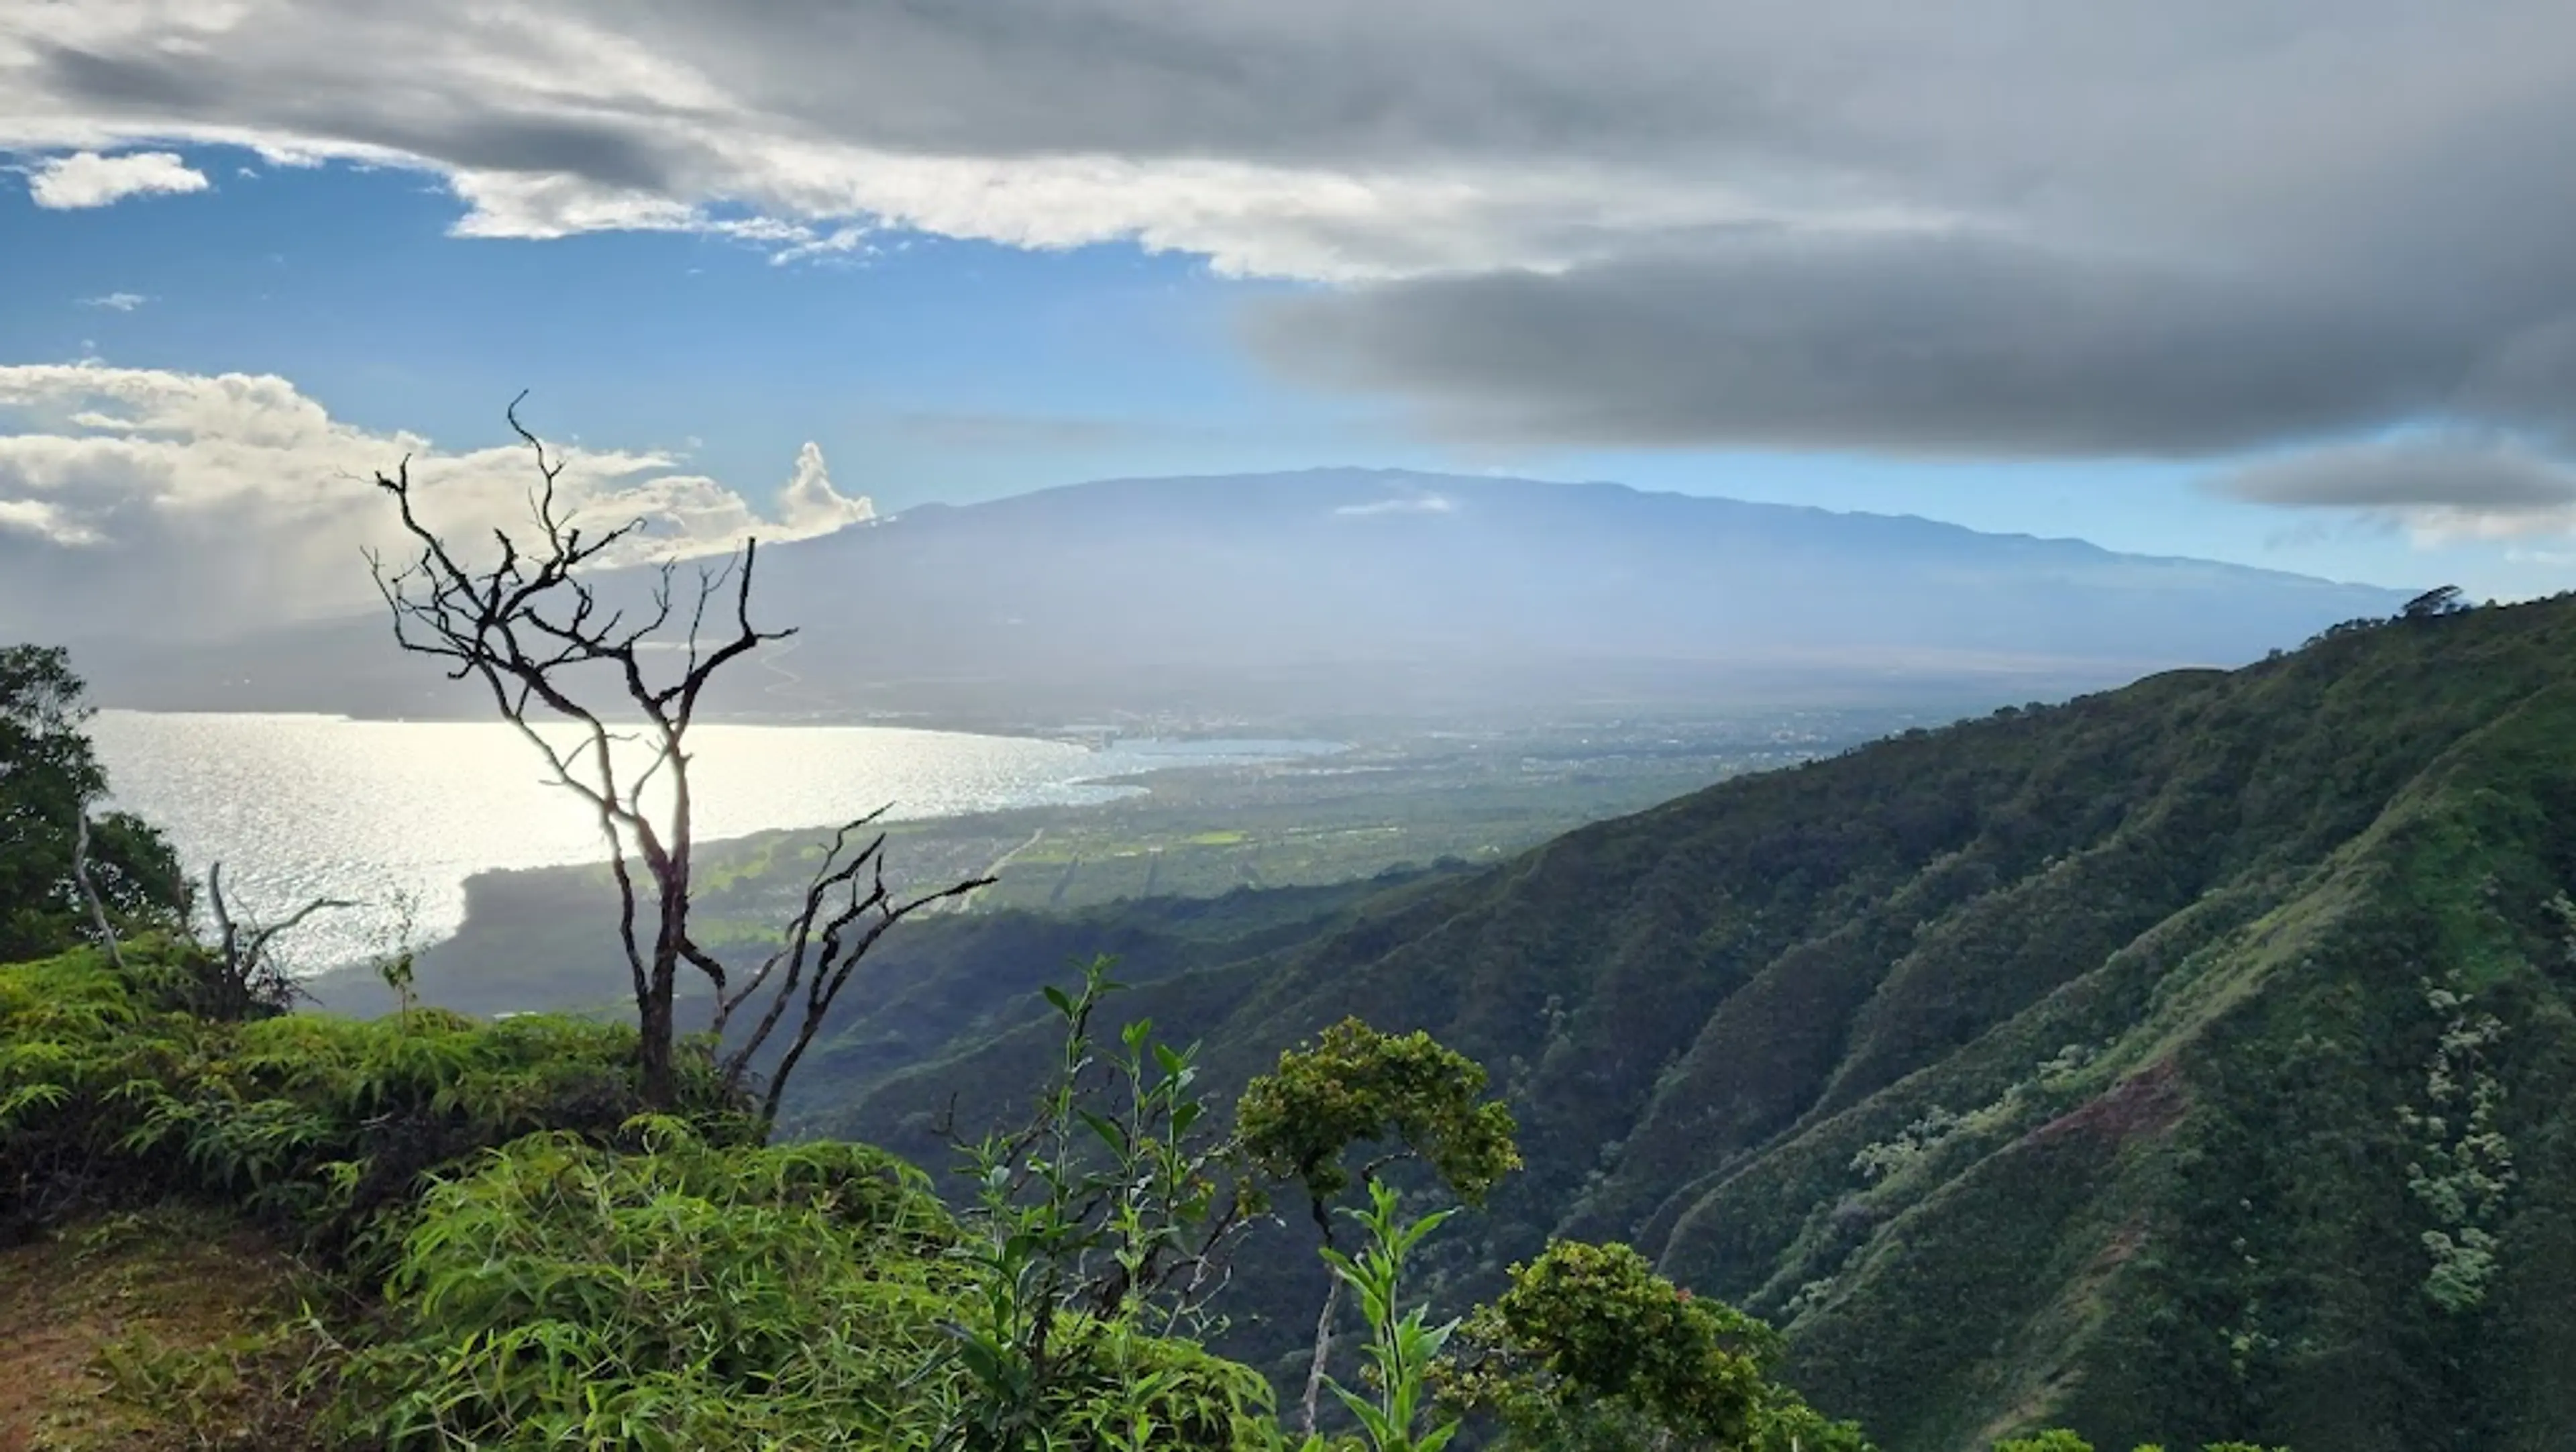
(524, 1259)
(687, 1294)
(2058, 1439)
(681, 1295)
(2055, 1439)
(1590, 1348)
(109, 1095)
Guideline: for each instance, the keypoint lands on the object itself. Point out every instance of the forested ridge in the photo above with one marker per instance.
(2190, 1060)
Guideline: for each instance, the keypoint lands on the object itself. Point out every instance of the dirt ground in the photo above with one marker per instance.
(160, 1330)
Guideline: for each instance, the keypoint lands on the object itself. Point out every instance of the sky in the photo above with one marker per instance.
(2284, 282)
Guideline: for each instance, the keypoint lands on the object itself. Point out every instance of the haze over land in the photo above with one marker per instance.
(1379, 595)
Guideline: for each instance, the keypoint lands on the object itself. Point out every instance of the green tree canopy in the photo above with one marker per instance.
(2055, 1439)
(2058, 1439)
(1590, 1348)
(1406, 1094)
(49, 778)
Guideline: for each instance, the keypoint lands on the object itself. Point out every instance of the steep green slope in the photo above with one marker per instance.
(941, 977)
(2113, 1064)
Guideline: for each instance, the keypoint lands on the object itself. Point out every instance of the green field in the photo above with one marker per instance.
(1195, 832)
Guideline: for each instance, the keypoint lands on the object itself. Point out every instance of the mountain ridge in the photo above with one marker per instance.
(1434, 480)
(1336, 595)
(2081, 1065)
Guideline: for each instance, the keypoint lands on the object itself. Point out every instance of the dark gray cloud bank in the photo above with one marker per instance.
(2457, 485)
(2179, 229)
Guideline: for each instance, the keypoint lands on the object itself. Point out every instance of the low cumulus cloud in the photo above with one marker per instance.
(87, 179)
(116, 302)
(1402, 504)
(809, 505)
(190, 503)
(2161, 228)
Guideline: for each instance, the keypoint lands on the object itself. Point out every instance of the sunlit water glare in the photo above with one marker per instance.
(298, 807)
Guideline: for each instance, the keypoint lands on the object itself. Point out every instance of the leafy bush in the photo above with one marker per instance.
(526, 1259)
(110, 1095)
(1355, 1086)
(557, 1268)
(1097, 1231)
(1403, 1345)
(2058, 1439)
(1591, 1348)
(683, 1295)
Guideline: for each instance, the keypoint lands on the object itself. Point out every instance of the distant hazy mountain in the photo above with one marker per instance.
(1337, 592)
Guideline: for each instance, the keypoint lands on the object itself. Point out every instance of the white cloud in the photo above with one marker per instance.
(2138, 228)
(123, 302)
(43, 520)
(2433, 528)
(810, 505)
(1408, 504)
(210, 503)
(710, 118)
(87, 179)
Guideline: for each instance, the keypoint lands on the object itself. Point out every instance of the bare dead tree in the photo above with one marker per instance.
(245, 977)
(846, 908)
(89, 890)
(535, 630)
(238, 978)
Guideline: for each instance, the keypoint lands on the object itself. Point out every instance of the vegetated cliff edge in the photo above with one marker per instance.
(2191, 1059)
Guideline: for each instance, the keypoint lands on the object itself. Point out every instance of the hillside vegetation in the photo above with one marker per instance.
(499, 1250)
(430, 1232)
(2188, 1061)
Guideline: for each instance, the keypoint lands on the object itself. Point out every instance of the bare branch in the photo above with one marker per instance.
(256, 950)
(89, 890)
(819, 952)
(245, 978)
(224, 935)
(542, 637)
